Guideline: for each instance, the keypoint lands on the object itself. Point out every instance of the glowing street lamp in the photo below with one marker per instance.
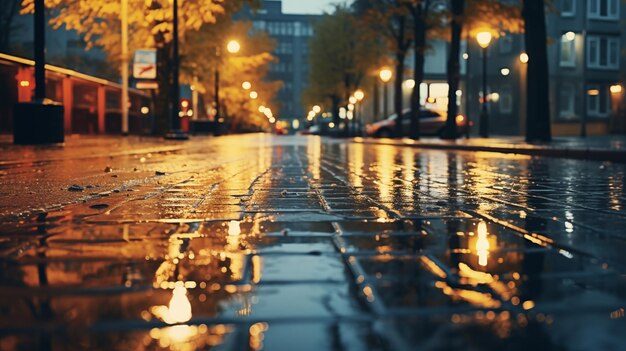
(385, 76)
(359, 95)
(246, 85)
(523, 57)
(484, 39)
(254, 95)
(316, 109)
(233, 46)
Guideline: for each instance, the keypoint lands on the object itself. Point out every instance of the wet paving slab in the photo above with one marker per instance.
(300, 243)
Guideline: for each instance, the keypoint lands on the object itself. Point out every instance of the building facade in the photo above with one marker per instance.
(586, 42)
(291, 33)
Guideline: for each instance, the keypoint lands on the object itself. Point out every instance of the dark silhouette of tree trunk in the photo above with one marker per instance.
(419, 11)
(402, 46)
(537, 88)
(454, 69)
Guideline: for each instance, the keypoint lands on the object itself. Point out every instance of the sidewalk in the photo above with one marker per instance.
(598, 148)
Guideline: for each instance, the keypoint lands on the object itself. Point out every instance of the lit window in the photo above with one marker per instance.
(568, 8)
(603, 9)
(598, 101)
(603, 52)
(568, 51)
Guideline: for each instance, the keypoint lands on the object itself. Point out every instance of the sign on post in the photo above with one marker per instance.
(144, 64)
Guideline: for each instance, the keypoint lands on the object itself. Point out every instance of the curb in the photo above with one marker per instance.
(618, 156)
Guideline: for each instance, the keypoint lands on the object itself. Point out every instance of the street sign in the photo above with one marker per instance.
(147, 85)
(144, 64)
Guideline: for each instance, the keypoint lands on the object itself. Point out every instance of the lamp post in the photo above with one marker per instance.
(359, 95)
(175, 132)
(233, 47)
(483, 39)
(385, 77)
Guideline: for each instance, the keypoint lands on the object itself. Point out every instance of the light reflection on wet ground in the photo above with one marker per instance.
(254, 242)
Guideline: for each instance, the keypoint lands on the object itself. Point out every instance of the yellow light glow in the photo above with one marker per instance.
(483, 39)
(331, 125)
(316, 109)
(24, 83)
(184, 104)
(465, 56)
(460, 119)
(523, 57)
(233, 228)
(311, 114)
(350, 107)
(295, 124)
(233, 46)
(385, 75)
(254, 95)
(261, 108)
(272, 119)
(246, 85)
(353, 100)
(593, 92)
(189, 113)
(409, 83)
(505, 71)
(482, 244)
(569, 36)
(145, 110)
(615, 89)
(359, 94)
(495, 97)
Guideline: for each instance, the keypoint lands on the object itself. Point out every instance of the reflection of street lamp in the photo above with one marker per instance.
(232, 47)
(385, 77)
(483, 39)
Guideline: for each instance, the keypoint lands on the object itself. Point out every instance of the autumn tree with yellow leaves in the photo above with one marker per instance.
(150, 26)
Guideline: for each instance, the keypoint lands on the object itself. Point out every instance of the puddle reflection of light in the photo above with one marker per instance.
(482, 244)
(234, 228)
(384, 167)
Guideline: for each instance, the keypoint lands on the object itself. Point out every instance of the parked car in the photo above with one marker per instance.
(432, 122)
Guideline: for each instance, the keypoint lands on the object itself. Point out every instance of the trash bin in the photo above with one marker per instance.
(38, 122)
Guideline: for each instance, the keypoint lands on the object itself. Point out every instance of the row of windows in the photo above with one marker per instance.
(299, 29)
(602, 51)
(281, 67)
(596, 9)
(598, 101)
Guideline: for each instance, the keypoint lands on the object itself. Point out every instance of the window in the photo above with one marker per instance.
(603, 52)
(598, 101)
(568, 50)
(506, 44)
(603, 9)
(505, 104)
(568, 8)
(567, 98)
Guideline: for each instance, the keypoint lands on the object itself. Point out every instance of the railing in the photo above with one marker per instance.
(92, 105)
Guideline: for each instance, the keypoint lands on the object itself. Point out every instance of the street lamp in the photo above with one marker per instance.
(358, 95)
(483, 39)
(385, 76)
(232, 47)
(246, 85)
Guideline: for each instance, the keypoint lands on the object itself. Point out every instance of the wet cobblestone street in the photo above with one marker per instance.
(257, 242)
